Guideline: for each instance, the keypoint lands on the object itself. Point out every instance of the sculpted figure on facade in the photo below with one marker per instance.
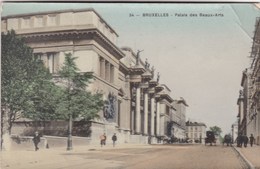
(152, 71)
(138, 56)
(147, 65)
(158, 77)
(109, 106)
(240, 93)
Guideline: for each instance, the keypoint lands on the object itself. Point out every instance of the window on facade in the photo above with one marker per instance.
(38, 56)
(195, 128)
(195, 135)
(191, 128)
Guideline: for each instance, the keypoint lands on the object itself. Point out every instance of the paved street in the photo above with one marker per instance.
(126, 156)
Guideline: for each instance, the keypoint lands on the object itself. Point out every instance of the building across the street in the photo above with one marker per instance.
(136, 104)
(249, 97)
(196, 131)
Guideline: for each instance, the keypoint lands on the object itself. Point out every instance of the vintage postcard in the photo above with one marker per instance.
(130, 85)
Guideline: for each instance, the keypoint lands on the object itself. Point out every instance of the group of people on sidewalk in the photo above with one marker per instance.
(243, 140)
(103, 139)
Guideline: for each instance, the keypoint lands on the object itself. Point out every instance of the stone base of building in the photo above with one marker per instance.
(84, 133)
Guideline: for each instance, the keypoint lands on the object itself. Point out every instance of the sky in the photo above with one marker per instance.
(199, 58)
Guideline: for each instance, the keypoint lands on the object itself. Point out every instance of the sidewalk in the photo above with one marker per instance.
(251, 155)
(58, 157)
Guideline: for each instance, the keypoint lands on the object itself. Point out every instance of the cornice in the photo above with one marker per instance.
(91, 34)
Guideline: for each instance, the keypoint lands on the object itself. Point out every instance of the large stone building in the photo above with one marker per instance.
(196, 131)
(136, 105)
(249, 98)
(179, 118)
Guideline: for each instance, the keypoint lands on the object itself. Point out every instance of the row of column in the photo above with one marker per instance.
(138, 114)
(106, 70)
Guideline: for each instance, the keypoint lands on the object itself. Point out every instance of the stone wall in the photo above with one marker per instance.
(52, 128)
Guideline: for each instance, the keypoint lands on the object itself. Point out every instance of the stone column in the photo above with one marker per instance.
(146, 113)
(157, 118)
(107, 71)
(45, 60)
(102, 68)
(137, 111)
(152, 116)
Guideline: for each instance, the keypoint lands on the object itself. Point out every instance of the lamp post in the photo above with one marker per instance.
(69, 143)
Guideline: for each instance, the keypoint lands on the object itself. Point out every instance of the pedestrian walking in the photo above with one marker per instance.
(103, 138)
(114, 138)
(245, 138)
(36, 140)
(251, 139)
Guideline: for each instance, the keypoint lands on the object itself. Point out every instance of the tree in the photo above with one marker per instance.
(76, 102)
(216, 130)
(23, 78)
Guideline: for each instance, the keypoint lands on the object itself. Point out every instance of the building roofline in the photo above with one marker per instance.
(189, 123)
(60, 11)
(166, 87)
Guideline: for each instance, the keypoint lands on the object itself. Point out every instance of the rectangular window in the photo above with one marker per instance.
(195, 135)
(38, 56)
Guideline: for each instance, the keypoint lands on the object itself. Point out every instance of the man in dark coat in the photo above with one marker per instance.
(239, 140)
(114, 138)
(36, 140)
(245, 139)
(251, 139)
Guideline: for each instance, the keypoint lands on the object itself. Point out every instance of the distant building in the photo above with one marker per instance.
(179, 118)
(196, 131)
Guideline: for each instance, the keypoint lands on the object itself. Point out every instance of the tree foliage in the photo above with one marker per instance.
(216, 130)
(75, 100)
(26, 86)
(28, 90)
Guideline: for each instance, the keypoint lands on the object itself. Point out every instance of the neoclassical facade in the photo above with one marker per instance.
(136, 104)
(196, 131)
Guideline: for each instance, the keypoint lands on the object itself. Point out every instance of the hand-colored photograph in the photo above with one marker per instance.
(130, 85)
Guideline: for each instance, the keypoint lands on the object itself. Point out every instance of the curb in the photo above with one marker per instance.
(248, 163)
